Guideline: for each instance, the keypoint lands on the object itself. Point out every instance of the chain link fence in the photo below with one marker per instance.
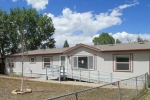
(127, 89)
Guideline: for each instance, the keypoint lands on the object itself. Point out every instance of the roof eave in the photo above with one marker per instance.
(125, 50)
(33, 54)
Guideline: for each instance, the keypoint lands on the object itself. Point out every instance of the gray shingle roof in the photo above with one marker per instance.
(43, 51)
(102, 48)
(124, 46)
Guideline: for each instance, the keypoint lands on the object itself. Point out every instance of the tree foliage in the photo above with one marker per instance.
(103, 38)
(35, 28)
(139, 39)
(118, 41)
(66, 44)
(4, 32)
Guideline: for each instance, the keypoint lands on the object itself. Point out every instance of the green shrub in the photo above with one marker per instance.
(14, 75)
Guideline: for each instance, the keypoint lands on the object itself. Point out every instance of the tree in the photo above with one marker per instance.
(66, 44)
(103, 38)
(128, 39)
(28, 31)
(33, 29)
(139, 39)
(37, 30)
(4, 32)
(118, 41)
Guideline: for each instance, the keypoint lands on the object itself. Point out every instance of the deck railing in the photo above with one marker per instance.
(81, 75)
(89, 75)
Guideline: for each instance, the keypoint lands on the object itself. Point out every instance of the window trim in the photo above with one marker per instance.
(34, 60)
(10, 59)
(88, 62)
(130, 63)
(43, 61)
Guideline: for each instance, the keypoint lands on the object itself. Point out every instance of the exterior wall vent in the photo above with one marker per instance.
(110, 44)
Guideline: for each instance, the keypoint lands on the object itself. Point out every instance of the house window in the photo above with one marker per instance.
(32, 60)
(83, 62)
(46, 61)
(123, 62)
(10, 62)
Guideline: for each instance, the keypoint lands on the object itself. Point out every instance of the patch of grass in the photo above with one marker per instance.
(145, 96)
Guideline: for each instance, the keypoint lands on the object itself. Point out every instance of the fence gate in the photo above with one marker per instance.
(2, 66)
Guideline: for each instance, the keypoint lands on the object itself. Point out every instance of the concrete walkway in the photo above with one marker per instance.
(55, 81)
(66, 82)
(83, 83)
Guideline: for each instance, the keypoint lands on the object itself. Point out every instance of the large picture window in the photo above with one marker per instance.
(83, 62)
(123, 62)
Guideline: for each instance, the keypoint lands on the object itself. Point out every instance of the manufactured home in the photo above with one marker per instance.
(120, 60)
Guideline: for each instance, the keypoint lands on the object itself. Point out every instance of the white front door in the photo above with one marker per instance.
(62, 60)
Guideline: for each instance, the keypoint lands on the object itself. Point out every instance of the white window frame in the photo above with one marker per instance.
(11, 62)
(31, 60)
(123, 55)
(47, 62)
(77, 67)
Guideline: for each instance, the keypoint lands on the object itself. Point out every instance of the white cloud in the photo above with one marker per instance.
(124, 36)
(87, 22)
(14, 0)
(38, 4)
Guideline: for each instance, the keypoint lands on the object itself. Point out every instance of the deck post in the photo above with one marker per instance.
(52, 71)
(98, 76)
(89, 75)
(111, 78)
(46, 73)
(64, 78)
(80, 74)
(72, 73)
(59, 73)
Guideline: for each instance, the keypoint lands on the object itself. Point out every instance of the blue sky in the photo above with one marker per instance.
(78, 21)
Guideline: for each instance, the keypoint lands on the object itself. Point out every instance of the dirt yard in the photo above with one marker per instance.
(40, 90)
(44, 90)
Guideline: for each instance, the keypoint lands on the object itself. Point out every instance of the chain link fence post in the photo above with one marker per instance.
(46, 73)
(119, 95)
(76, 96)
(136, 86)
(145, 81)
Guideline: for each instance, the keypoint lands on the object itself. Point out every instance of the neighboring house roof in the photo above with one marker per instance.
(99, 48)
